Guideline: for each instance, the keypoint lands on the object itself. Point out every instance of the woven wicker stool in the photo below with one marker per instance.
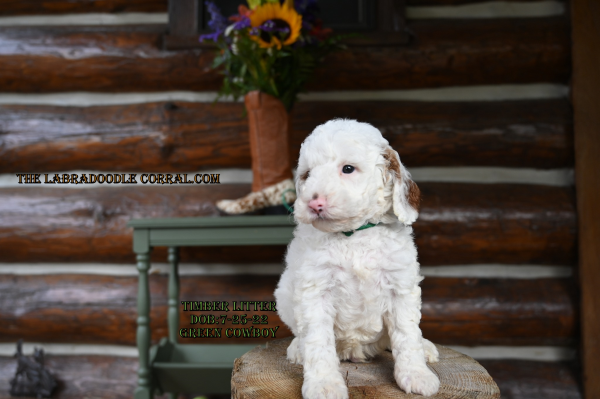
(265, 373)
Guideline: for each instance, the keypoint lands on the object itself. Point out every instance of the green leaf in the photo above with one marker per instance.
(282, 73)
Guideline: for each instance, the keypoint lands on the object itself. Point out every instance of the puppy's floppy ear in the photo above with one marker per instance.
(406, 195)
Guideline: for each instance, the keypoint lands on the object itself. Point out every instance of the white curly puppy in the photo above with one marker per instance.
(351, 285)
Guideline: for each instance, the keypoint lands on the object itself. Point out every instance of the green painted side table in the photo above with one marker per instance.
(203, 368)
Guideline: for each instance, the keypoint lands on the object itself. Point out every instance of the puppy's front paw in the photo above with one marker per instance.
(294, 354)
(419, 380)
(328, 387)
(431, 353)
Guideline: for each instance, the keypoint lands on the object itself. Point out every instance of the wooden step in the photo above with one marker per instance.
(181, 136)
(458, 223)
(102, 309)
(269, 372)
(443, 53)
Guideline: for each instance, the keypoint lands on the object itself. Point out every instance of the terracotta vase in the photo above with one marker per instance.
(269, 128)
(272, 179)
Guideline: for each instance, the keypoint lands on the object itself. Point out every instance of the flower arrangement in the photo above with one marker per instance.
(270, 45)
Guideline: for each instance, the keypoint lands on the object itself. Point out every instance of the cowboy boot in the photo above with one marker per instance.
(269, 127)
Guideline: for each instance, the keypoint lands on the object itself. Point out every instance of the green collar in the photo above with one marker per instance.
(365, 226)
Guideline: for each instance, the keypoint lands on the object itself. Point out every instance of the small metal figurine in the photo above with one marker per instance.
(31, 378)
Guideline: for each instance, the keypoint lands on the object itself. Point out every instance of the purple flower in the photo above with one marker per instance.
(243, 23)
(218, 23)
(217, 20)
(211, 36)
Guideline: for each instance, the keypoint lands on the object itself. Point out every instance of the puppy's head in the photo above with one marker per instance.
(348, 175)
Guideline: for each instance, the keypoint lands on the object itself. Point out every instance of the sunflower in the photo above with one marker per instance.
(277, 24)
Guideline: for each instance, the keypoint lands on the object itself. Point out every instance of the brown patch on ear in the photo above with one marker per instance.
(392, 162)
(414, 195)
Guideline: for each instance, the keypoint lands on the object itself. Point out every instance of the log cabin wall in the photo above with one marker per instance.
(476, 106)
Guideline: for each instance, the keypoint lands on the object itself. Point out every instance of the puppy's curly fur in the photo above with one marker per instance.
(351, 297)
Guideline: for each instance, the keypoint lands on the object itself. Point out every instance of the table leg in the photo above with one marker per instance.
(173, 315)
(144, 389)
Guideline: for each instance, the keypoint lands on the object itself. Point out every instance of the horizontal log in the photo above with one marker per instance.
(470, 223)
(102, 309)
(165, 137)
(443, 53)
(114, 377)
(99, 377)
(46, 7)
(510, 133)
(499, 312)
(522, 379)
(82, 376)
(62, 225)
(456, 53)
(170, 137)
(458, 223)
(457, 2)
(36, 7)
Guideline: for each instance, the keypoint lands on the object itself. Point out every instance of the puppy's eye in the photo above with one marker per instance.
(347, 169)
(305, 175)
